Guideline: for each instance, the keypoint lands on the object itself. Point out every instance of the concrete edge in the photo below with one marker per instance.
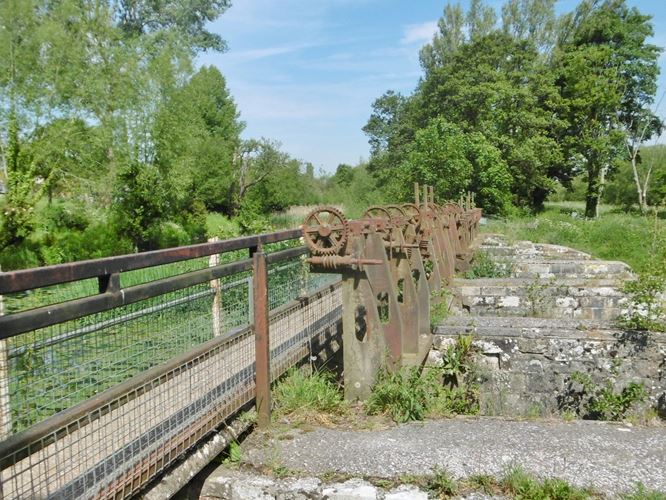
(181, 474)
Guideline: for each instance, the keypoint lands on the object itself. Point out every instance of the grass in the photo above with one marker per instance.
(307, 398)
(411, 394)
(634, 239)
(520, 484)
(483, 266)
(516, 483)
(439, 306)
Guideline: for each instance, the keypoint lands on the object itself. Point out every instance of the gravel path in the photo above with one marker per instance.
(608, 457)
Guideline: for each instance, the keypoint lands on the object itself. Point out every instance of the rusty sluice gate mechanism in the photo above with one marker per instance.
(391, 259)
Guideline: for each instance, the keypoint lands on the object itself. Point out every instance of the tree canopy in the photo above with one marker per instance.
(552, 97)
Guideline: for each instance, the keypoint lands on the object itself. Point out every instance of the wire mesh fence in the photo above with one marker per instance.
(101, 404)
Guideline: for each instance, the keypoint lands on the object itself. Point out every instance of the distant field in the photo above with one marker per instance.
(637, 240)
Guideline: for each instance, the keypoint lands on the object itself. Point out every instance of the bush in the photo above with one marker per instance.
(167, 235)
(647, 295)
(19, 256)
(220, 226)
(603, 402)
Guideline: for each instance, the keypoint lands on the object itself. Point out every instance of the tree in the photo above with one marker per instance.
(500, 87)
(607, 77)
(455, 28)
(197, 132)
(455, 162)
(532, 20)
(646, 125)
(255, 161)
(141, 203)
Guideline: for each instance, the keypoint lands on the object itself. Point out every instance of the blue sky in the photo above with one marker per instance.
(305, 72)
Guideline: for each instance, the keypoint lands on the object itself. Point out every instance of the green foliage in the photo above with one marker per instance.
(484, 266)
(607, 77)
(233, 454)
(640, 492)
(647, 295)
(613, 236)
(141, 204)
(520, 484)
(354, 188)
(547, 99)
(411, 394)
(604, 402)
(439, 306)
(220, 226)
(401, 394)
(621, 188)
(442, 483)
(299, 393)
(198, 134)
(454, 162)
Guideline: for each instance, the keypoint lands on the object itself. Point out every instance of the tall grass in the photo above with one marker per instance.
(637, 240)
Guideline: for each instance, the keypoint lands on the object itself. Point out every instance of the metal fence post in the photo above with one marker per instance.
(213, 261)
(5, 408)
(261, 340)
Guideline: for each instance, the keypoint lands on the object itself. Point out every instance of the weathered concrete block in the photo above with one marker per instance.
(527, 362)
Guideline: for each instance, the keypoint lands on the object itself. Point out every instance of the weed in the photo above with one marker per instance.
(647, 311)
(520, 484)
(535, 411)
(401, 394)
(568, 415)
(439, 306)
(442, 483)
(409, 394)
(482, 482)
(640, 492)
(484, 266)
(232, 455)
(537, 296)
(601, 402)
(306, 396)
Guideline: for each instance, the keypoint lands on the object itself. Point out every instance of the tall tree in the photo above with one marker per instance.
(502, 88)
(196, 136)
(607, 76)
(532, 20)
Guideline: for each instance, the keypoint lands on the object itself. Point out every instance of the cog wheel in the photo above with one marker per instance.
(377, 212)
(412, 212)
(396, 211)
(325, 231)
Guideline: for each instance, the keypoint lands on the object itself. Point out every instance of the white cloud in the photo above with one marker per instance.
(252, 54)
(421, 33)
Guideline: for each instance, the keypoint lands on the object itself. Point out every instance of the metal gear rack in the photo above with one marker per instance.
(391, 260)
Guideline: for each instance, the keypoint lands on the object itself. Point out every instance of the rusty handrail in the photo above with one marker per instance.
(28, 279)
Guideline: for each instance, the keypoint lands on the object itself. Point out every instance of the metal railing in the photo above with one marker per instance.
(111, 369)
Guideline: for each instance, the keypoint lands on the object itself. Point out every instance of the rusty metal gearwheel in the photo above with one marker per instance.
(325, 231)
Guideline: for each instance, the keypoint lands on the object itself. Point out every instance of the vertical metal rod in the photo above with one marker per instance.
(5, 408)
(261, 340)
(416, 194)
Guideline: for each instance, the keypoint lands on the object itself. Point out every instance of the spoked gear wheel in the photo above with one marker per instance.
(377, 212)
(325, 231)
(396, 211)
(413, 212)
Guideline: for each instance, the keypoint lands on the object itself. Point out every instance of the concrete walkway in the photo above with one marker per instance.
(610, 458)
